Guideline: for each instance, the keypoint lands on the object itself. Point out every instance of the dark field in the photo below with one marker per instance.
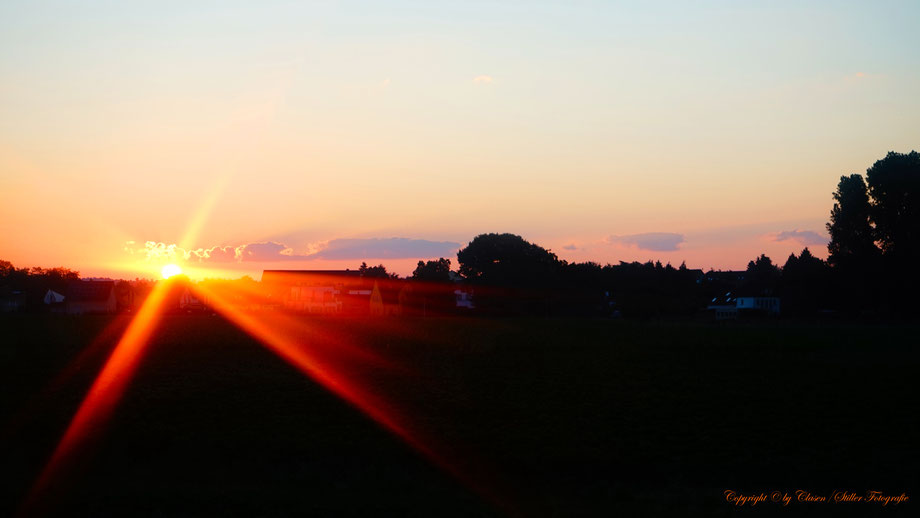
(536, 417)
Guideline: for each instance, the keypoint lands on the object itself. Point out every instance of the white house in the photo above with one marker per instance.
(728, 307)
(53, 297)
(767, 305)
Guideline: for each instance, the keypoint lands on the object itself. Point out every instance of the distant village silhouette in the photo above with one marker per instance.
(871, 271)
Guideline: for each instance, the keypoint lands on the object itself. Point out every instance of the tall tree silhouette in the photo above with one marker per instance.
(875, 233)
(852, 242)
(894, 185)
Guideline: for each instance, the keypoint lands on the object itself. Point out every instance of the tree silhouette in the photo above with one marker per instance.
(432, 271)
(375, 272)
(507, 260)
(6, 268)
(651, 289)
(761, 276)
(432, 292)
(874, 226)
(894, 185)
(806, 284)
(35, 281)
(522, 275)
(852, 242)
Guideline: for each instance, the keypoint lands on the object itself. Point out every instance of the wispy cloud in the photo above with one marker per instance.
(655, 241)
(483, 79)
(570, 247)
(270, 251)
(804, 237)
(157, 251)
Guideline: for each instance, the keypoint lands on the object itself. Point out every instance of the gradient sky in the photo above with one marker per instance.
(310, 134)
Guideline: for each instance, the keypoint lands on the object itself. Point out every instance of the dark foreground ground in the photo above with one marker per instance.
(550, 417)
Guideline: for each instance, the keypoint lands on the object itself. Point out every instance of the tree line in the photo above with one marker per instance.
(872, 266)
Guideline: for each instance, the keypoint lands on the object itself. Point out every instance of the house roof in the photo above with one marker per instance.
(53, 297)
(728, 299)
(290, 277)
(89, 291)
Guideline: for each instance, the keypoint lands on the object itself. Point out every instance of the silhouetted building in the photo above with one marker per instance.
(333, 292)
(54, 301)
(52, 297)
(313, 291)
(90, 297)
(11, 300)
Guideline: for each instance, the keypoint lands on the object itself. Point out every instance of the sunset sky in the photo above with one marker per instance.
(251, 135)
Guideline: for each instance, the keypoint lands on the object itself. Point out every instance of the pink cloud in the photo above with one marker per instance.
(655, 241)
(803, 237)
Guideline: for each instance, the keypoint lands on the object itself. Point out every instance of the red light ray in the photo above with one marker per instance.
(112, 380)
(330, 359)
(332, 364)
(107, 388)
(237, 297)
(286, 337)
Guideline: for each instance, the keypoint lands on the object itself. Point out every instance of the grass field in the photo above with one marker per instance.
(535, 417)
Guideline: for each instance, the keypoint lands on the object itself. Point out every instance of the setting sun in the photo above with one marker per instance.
(169, 270)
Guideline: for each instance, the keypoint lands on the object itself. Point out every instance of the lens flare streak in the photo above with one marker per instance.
(343, 368)
(108, 386)
(278, 334)
(333, 365)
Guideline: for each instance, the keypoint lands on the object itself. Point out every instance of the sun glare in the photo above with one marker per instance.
(169, 270)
